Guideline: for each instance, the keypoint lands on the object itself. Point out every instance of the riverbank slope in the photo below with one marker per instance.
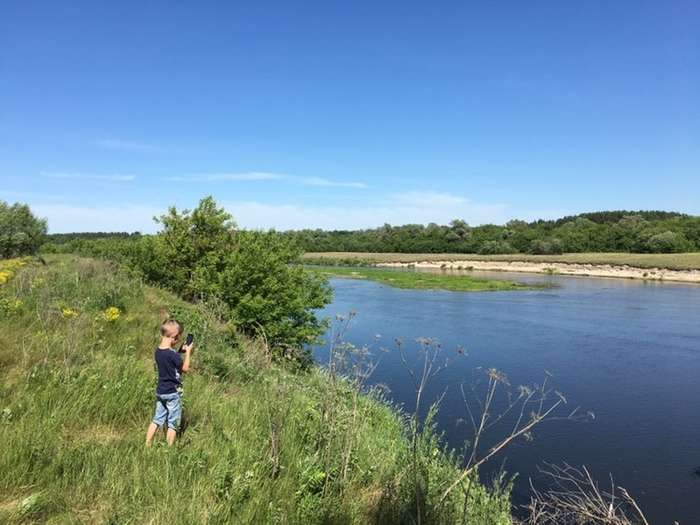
(683, 267)
(262, 440)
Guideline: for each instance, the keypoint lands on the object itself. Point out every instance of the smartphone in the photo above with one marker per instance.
(188, 341)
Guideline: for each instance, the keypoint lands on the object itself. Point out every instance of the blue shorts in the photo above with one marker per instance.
(168, 408)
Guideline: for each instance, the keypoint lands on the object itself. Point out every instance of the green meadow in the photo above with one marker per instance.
(422, 280)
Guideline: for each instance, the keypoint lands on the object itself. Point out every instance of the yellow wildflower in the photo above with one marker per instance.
(14, 304)
(69, 313)
(9, 267)
(111, 314)
(9, 305)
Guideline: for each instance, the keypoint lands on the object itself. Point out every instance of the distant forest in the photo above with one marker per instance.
(606, 231)
(63, 238)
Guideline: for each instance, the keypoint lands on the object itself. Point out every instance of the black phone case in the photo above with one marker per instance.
(188, 341)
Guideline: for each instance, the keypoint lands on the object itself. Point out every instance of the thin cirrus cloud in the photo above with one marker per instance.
(220, 177)
(88, 176)
(127, 145)
(266, 176)
(63, 218)
(413, 207)
(321, 182)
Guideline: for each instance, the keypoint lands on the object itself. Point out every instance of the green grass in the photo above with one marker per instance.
(422, 280)
(263, 442)
(671, 261)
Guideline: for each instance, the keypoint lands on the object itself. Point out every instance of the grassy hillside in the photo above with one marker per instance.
(672, 261)
(261, 442)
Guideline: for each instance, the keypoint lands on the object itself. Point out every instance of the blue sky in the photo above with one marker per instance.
(347, 115)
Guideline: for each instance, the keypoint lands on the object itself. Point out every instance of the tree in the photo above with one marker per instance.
(190, 252)
(21, 232)
(667, 242)
(266, 287)
(546, 246)
(627, 232)
(496, 248)
(258, 275)
(578, 235)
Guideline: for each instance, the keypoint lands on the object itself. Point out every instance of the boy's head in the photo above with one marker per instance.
(172, 329)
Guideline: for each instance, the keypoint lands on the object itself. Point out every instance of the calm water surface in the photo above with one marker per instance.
(627, 350)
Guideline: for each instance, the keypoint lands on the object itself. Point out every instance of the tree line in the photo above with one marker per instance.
(608, 231)
(604, 231)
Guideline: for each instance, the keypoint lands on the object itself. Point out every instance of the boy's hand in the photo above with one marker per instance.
(188, 348)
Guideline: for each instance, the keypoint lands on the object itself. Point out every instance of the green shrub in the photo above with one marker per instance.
(266, 288)
(191, 250)
(21, 233)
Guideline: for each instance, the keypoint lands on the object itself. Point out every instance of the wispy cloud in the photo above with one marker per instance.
(413, 207)
(266, 176)
(216, 177)
(320, 181)
(29, 196)
(68, 218)
(430, 199)
(88, 176)
(127, 145)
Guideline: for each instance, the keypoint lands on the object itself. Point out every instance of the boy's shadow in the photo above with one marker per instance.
(185, 421)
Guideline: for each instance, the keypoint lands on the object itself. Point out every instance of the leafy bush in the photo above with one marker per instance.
(21, 233)
(191, 250)
(266, 287)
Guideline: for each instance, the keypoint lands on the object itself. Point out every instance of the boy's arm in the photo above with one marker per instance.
(186, 362)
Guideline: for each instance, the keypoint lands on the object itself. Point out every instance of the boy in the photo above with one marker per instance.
(169, 391)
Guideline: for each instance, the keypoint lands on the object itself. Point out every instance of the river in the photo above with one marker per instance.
(629, 351)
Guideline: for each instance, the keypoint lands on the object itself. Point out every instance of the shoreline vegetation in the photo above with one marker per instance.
(677, 267)
(421, 280)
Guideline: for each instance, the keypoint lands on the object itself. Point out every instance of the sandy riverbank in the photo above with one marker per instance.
(592, 270)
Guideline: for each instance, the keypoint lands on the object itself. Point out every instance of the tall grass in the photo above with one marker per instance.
(258, 445)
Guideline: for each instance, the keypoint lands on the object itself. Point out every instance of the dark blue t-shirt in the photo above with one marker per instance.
(169, 364)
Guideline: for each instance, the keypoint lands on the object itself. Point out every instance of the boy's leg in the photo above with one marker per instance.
(174, 414)
(152, 429)
(159, 419)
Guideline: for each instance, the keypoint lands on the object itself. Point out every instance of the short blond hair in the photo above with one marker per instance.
(168, 323)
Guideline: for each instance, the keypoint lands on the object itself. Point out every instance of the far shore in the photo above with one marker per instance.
(590, 270)
(512, 264)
